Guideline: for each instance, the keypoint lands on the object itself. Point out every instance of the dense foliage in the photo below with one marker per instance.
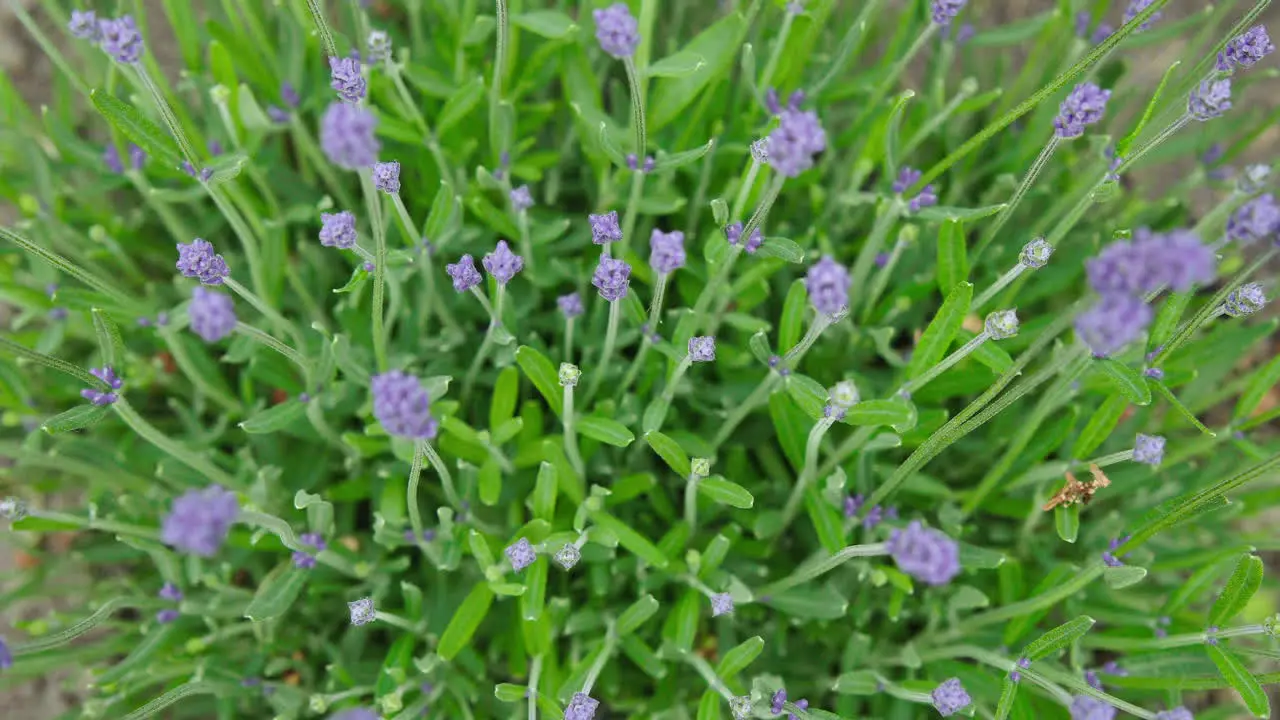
(887, 402)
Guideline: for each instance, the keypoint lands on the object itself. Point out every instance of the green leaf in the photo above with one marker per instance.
(717, 45)
(610, 432)
(1013, 33)
(939, 212)
(897, 414)
(109, 341)
(133, 125)
(681, 627)
(1124, 576)
(1066, 520)
(77, 418)
(677, 65)
(826, 520)
(1008, 692)
(809, 603)
(357, 280)
(669, 451)
(987, 353)
(489, 482)
(510, 693)
(636, 615)
(505, 393)
(1164, 391)
(938, 336)
(1058, 638)
(680, 159)
(275, 418)
(1122, 147)
(466, 619)
(726, 492)
(547, 23)
(633, 541)
(953, 258)
(1244, 582)
(543, 375)
(1127, 380)
(277, 592)
(858, 682)
(739, 657)
(1235, 673)
(1263, 380)
(463, 101)
(1100, 426)
(791, 326)
(544, 492)
(781, 248)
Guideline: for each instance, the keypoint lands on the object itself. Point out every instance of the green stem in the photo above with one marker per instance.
(93, 523)
(535, 673)
(568, 339)
(606, 353)
(446, 478)
(267, 311)
(570, 436)
(499, 70)
(322, 27)
(374, 205)
(844, 450)
(691, 503)
(775, 55)
(655, 307)
(248, 242)
(149, 433)
(997, 286)
(637, 107)
(815, 569)
(629, 217)
(397, 621)
(946, 364)
(526, 242)
(746, 407)
(709, 674)
(1112, 459)
(887, 214)
(634, 370)
(807, 472)
(819, 325)
(1027, 181)
(411, 492)
(610, 643)
(744, 191)
(289, 353)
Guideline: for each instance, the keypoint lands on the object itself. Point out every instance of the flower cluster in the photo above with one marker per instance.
(199, 520)
(733, 234)
(108, 376)
(907, 177)
(927, 555)
(1083, 107)
(402, 406)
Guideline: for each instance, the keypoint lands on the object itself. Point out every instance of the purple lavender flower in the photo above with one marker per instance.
(520, 554)
(1108, 558)
(278, 115)
(212, 314)
(356, 714)
(617, 31)
(1084, 106)
(604, 228)
(1083, 20)
(852, 504)
(369, 267)
(796, 141)
(170, 592)
(403, 406)
(198, 260)
(964, 34)
(120, 39)
(1179, 259)
(721, 604)
(338, 230)
(521, 199)
(386, 176)
(1023, 663)
(1087, 707)
(111, 158)
(702, 349)
(1258, 219)
(828, 284)
(771, 102)
(346, 78)
(362, 611)
(1245, 300)
(167, 616)
(1148, 449)
(907, 177)
(1154, 373)
(925, 554)
(1115, 321)
(84, 25)
(1111, 668)
(1210, 100)
(199, 520)
(6, 657)
(666, 251)
(304, 560)
(503, 264)
(347, 136)
(570, 305)
(1102, 32)
(1178, 713)
(108, 376)
(612, 278)
(1091, 678)
(1137, 6)
(137, 156)
(950, 697)
(733, 233)
(215, 147)
(779, 699)
(944, 11)
(925, 199)
(289, 94)
(1246, 49)
(464, 273)
(378, 47)
(581, 706)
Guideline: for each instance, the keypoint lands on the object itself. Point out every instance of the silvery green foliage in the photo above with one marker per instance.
(463, 286)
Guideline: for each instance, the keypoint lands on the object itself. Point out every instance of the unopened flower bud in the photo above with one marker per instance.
(701, 467)
(569, 374)
(844, 394)
(1035, 254)
(568, 556)
(1001, 324)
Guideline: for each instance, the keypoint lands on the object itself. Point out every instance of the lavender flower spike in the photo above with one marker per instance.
(212, 314)
(1245, 300)
(1087, 707)
(464, 273)
(828, 284)
(120, 39)
(1210, 100)
(199, 520)
(1258, 219)
(503, 264)
(1084, 106)
(925, 554)
(84, 25)
(170, 592)
(944, 11)
(338, 230)
(666, 251)
(1246, 49)
(198, 260)
(347, 79)
(1178, 713)
(581, 707)
(111, 158)
(1137, 6)
(797, 140)
(950, 697)
(107, 375)
(907, 177)
(617, 31)
(702, 349)
(733, 234)
(604, 228)
(721, 604)
(1148, 449)
(402, 406)
(347, 136)
(362, 611)
(570, 305)
(520, 554)
(612, 278)
(1115, 321)
(386, 176)
(521, 199)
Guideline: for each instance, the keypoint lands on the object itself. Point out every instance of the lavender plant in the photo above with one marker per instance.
(815, 466)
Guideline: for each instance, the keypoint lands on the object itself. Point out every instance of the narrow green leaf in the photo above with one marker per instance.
(77, 418)
(277, 592)
(633, 541)
(510, 693)
(547, 23)
(1240, 588)
(643, 656)
(535, 599)
(857, 682)
(669, 451)
(466, 620)
(893, 413)
(109, 341)
(717, 45)
(1066, 520)
(489, 482)
(135, 126)
(681, 627)
(939, 212)
(636, 615)
(725, 492)
(953, 258)
(610, 432)
(781, 248)
(739, 657)
(543, 375)
(1263, 380)
(275, 418)
(505, 393)
(680, 159)
(938, 336)
(464, 100)
(1008, 692)
(676, 65)
(1122, 147)
(1164, 391)
(1126, 379)
(826, 520)
(809, 603)
(1100, 426)
(1058, 638)
(544, 492)
(1124, 576)
(1239, 677)
(791, 326)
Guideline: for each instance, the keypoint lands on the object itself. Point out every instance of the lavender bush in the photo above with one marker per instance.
(921, 399)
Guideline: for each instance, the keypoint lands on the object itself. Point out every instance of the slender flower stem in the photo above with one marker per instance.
(261, 306)
(167, 114)
(411, 492)
(851, 445)
(322, 28)
(669, 392)
(484, 302)
(634, 370)
(434, 303)
(655, 307)
(1151, 144)
(872, 105)
(886, 215)
(93, 523)
(906, 236)
(811, 570)
(183, 455)
(446, 479)
(746, 407)
(629, 217)
(570, 435)
(606, 353)
(691, 503)
(482, 354)
(775, 55)
(816, 328)
(1171, 641)
(568, 339)
(1000, 284)
(282, 530)
(610, 642)
(708, 673)
(811, 448)
(263, 338)
(499, 71)
(396, 620)
(374, 205)
(535, 673)
(1027, 181)
(722, 273)
(946, 364)
(526, 242)
(637, 106)
(744, 191)
(1112, 459)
